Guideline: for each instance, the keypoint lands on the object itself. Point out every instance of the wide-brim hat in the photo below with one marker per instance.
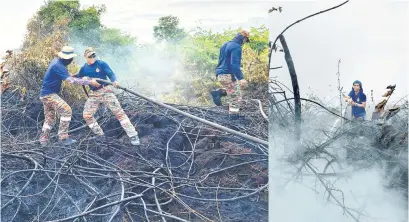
(67, 52)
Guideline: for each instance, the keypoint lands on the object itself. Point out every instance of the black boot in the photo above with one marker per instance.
(217, 94)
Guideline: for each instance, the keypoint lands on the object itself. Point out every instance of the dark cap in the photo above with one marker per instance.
(245, 34)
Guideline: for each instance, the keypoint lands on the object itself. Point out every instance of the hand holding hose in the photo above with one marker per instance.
(94, 82)
(115, 84)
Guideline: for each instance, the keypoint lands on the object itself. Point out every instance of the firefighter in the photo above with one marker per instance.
(53, 77)
(95, 68)
(228, 72)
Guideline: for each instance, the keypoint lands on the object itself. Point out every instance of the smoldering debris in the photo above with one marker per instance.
(349, 168)
(183, 170)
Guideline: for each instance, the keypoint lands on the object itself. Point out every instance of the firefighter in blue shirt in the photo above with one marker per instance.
(104, 94)
(53, 103)
(357, 99)
(228, 72)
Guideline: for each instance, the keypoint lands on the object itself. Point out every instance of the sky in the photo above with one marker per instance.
(369, 37)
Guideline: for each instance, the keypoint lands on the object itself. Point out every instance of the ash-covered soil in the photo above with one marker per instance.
(182, 171)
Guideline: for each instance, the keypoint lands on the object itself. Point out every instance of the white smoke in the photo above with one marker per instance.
(301, 197)
(148, 69)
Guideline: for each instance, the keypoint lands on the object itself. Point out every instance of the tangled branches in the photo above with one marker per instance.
(332, 150)
(183, 170)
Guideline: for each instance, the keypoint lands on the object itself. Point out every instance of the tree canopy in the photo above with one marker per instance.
(168, 30)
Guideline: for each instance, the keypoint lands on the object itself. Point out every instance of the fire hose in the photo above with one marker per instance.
(215, 125)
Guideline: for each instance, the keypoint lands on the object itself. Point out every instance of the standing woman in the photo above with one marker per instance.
(95, 68)
(357, 99)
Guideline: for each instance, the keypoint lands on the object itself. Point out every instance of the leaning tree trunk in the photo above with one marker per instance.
(296, 90)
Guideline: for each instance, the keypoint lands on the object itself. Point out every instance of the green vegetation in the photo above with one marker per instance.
(168, 30)
(59, 23)
(200, 52)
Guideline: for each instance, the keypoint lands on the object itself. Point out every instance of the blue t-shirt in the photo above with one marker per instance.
(99, 69)
(53, 77)
(230, 58)
(358, 98)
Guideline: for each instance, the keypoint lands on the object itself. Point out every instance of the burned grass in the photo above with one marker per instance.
(183, 170)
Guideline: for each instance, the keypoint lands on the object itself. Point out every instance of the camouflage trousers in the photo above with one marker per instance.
(53, 104)
(233, 90)
(108, 98)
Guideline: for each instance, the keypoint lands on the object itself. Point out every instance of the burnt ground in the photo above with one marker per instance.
(183, 170)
